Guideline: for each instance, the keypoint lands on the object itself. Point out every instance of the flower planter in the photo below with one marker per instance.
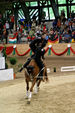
(54, 69)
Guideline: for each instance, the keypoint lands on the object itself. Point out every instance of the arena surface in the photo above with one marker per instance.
(55, 96)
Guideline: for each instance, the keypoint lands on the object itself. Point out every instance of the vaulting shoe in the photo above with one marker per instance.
(25, 65)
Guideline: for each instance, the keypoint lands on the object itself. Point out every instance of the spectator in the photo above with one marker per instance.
(31, 33)
(33, 25)
(54, 24)
(7, 26)
(66, 23)
(19, 36)
(1, 26)
(1, 32)
(4, 35)
(58, 24)
(12, 21)
(52, 35)
(73, 26)
(73, 35)
(67, 36)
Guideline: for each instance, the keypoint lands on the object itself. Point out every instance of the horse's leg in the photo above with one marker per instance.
(27, 89)
(36, 88)
(38, 84)
(31, 89)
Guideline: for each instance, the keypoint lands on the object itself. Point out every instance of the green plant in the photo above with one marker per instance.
(54, 69)
(6, 66)
(13, 60)
(20, 65)
(4, 52)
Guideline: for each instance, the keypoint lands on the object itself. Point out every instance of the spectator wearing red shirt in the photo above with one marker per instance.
(11, 22)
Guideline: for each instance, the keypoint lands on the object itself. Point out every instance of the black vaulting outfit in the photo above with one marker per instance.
(37, 46)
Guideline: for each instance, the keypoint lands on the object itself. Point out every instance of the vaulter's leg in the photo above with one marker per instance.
(25, 65)
(41, 66)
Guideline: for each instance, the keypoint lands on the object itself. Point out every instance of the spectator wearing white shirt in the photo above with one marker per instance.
(7, 25)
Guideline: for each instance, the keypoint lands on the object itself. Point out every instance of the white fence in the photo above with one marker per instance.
(6, 74)
(68, 68)
(2, 62)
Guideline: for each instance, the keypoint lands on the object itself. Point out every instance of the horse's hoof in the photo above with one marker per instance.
(38, 89)
(35, 93)
(26, 97)
(28, 102)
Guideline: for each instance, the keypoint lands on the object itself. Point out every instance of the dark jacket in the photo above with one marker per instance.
(38, 44)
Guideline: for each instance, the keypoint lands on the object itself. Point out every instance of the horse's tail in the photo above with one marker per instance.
(46, 76)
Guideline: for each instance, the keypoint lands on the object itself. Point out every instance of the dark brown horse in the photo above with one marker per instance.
(32, 75)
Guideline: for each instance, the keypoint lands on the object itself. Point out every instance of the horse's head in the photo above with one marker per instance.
(30, 69)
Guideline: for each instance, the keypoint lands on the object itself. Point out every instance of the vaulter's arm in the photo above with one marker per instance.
(33, 44)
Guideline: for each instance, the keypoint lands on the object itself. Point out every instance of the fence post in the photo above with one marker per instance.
(49, 51)
(30, 52)
(68, 53)
(14, 49)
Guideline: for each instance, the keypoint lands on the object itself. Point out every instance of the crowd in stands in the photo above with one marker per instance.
(65, 28)
(62, 28)
(5, 27)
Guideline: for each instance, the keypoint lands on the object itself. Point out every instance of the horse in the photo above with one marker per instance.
(32, 75)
